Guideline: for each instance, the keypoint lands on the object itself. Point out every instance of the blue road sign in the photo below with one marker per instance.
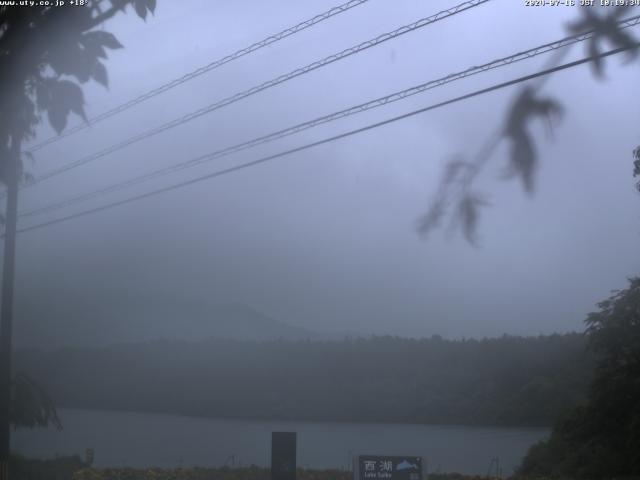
(381, 467)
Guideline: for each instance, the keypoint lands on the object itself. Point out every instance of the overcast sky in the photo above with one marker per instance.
(325, 238)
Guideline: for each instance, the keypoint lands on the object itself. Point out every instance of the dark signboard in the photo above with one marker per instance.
(283, 455)
(380, 467)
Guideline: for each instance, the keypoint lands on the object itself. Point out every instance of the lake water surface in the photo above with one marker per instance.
(144, 440)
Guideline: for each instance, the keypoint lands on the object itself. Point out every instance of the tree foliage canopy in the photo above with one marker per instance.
(46, 53)
(31, 406)
(601, 438)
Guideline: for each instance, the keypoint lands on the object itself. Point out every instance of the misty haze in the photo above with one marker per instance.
(371, 240)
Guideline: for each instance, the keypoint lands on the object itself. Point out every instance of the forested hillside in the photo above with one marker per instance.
(502, 381)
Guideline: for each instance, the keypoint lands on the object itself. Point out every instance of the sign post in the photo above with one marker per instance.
(381, 467)
(283, 456)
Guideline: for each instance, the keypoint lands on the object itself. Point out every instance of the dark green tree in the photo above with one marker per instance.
(601, 439)
(31, 405)
(46, 53)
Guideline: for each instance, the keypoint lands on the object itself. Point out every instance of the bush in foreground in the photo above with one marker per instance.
(61, 468)
(224, 473)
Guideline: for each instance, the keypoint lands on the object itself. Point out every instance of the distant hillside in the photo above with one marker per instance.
(503, 381)
(98, 322)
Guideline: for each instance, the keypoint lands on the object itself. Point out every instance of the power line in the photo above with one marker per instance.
(271, 83)
(270, 40)
(379, 102)
(307, 146)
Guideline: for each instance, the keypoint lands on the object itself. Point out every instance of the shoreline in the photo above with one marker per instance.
(532, 427)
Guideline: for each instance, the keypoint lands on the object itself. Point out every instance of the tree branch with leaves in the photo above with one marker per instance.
(46, 54)
(456, 194)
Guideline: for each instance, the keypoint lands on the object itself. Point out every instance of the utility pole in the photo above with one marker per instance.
(12, 165)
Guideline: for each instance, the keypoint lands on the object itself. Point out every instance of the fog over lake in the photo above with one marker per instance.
(144, 440)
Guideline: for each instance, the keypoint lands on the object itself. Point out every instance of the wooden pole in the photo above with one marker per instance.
(12, 165)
